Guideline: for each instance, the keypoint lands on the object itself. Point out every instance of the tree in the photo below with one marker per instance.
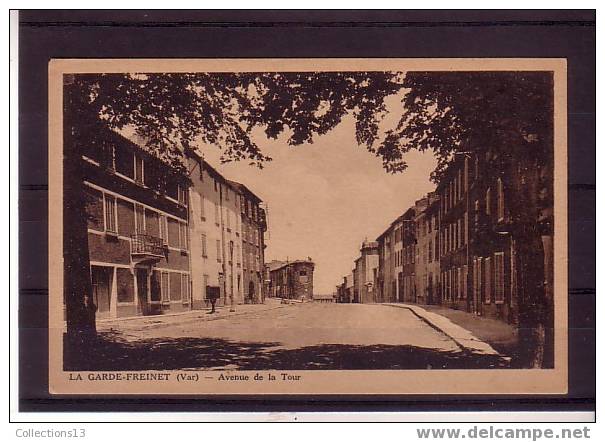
(444, 112)
(174, 111)
(510, 113)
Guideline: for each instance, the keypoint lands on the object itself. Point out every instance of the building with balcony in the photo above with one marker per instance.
(138, 233)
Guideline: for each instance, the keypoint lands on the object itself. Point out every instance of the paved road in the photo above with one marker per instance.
(294, 336)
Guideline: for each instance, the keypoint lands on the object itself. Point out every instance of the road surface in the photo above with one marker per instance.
(294, 336)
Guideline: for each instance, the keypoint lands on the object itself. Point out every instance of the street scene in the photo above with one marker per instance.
(229, 221)
(294, 336)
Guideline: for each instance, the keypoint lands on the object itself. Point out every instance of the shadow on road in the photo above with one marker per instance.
(111, 352)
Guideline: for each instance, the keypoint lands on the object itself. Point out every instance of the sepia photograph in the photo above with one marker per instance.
(308, 226)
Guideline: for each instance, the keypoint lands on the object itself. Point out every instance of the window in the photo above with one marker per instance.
(488, 280)
(499, 277)
(488, 201)
(459, 283)
(94, 209)
(152, 223)
(124, 162)
(227, 193)
(110, 214)
(500, 200)
(139, 219)
(183, 239)
(215, 184)
(182, 194)
(102, 281)
(126, 226)
(139, 169)
(464, 223)
(125, 285)
(185, 288)
(216, 214)
(202, 208)
(464, 281)
(165, 287)
(218, 250)
(163, 228)
(156, 288)
(176, 291)
(228, 219)
(173, 233)
(204, 246)
(430, 251)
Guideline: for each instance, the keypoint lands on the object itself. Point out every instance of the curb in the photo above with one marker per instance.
(461, 345)
(188, 319)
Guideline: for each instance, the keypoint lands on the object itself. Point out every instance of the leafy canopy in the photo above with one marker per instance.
(442, 111)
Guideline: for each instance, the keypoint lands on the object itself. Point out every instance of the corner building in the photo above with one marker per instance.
(138, 231)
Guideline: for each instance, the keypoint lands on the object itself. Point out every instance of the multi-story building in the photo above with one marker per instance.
(408, 237)
(291, 279)
(138, 233)
(253, 222)
(387, 260)
(427, 260)
(365, 274)
(216, 243)
(453, 236)
(348, 287)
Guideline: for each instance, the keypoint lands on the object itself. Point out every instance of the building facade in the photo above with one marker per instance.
(291, 279)
(408, 239)
(253, 221)
(455, 256)
(138, 230)
(366, 274)
(387, 263)
(215, 236)
(427, 260)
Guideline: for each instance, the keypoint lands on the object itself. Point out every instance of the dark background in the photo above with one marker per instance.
(274, 34)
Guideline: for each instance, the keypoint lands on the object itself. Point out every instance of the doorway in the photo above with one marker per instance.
(142, 290)
(102, 281)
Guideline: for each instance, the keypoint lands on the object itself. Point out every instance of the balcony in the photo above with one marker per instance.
(146, 248)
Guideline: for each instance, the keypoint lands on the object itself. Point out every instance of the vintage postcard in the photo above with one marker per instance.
(308, 226)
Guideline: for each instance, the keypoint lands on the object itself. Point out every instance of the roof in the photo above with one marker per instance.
(276, 265)
(243, 189)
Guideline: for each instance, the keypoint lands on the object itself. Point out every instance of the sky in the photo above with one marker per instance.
(325, 198)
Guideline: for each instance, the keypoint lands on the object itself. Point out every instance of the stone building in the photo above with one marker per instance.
(138, 233)
(291, 279)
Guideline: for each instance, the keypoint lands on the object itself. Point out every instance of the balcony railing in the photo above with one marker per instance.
(142, 244)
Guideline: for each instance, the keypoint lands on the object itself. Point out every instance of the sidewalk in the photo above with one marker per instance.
(473, 333)
(157, 321)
